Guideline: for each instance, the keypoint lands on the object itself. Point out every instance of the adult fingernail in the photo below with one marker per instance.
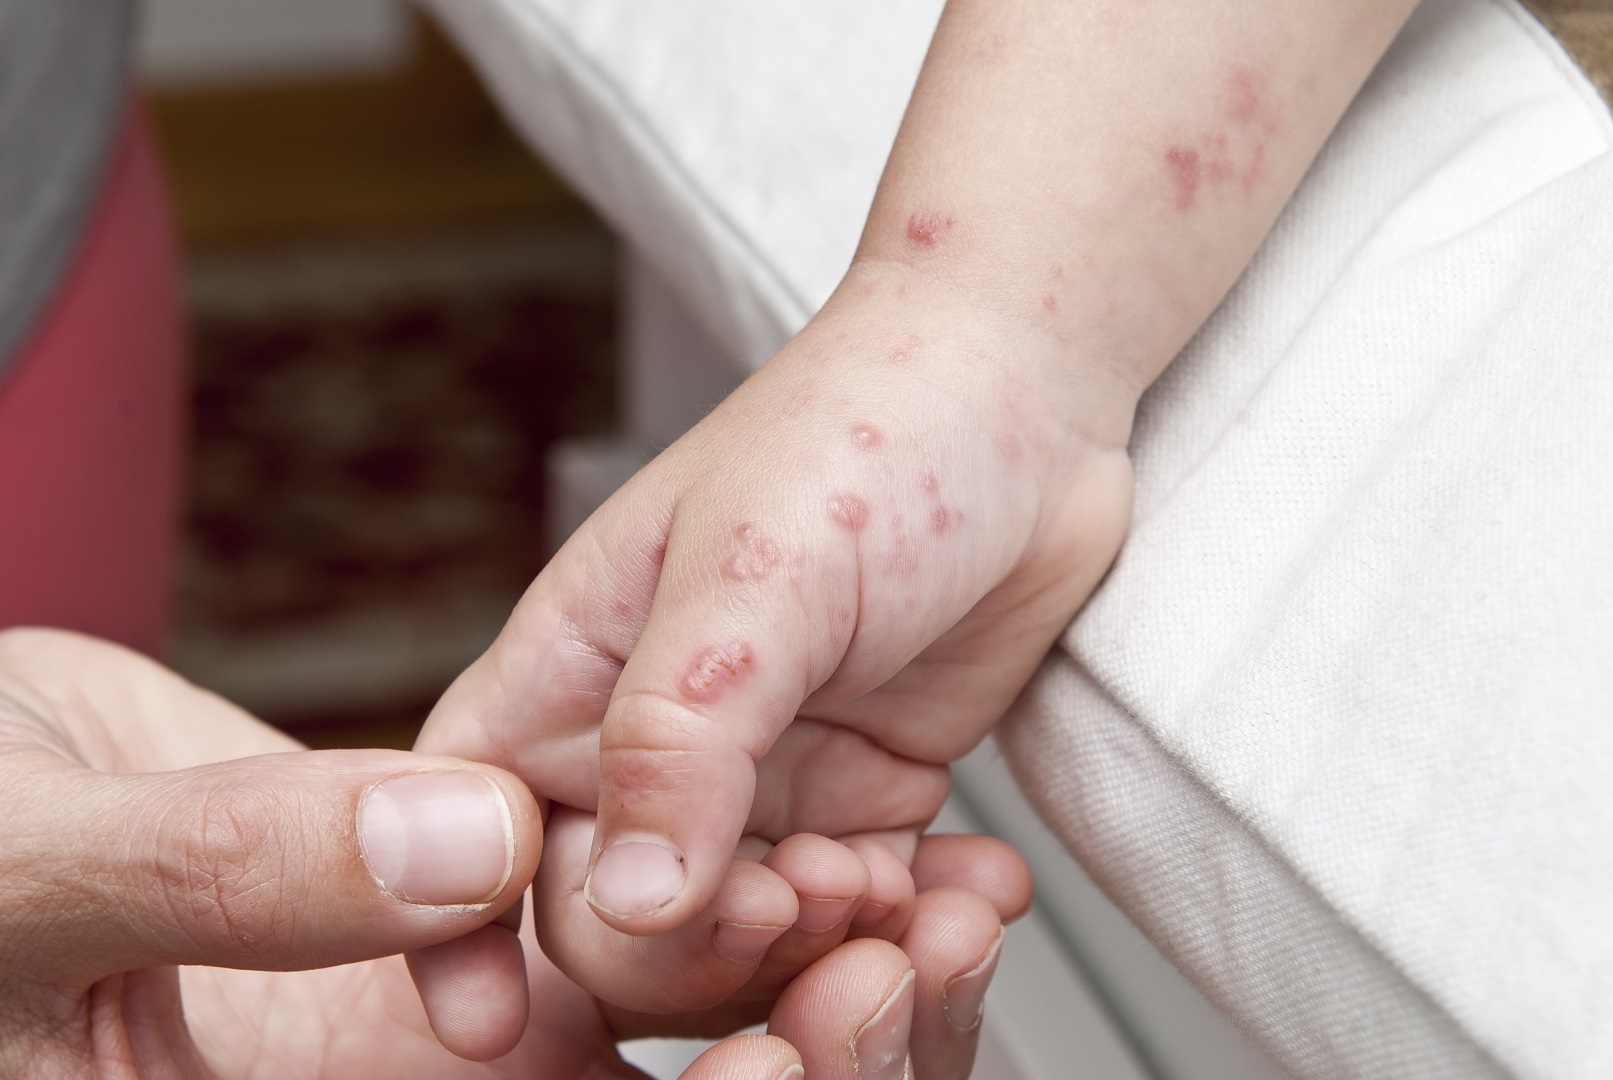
(963, 998)
(745, 944)
(880, 1047)
(817, 914)
(635, 877)
(439, 838)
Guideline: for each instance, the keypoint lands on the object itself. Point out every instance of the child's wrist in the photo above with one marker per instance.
(1079, 365)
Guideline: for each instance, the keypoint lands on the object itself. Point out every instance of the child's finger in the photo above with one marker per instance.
(736, 640)
(982, 864)
(533, 702)
(690, 968)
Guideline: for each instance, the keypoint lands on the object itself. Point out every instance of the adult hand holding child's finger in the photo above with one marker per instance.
(148, 825)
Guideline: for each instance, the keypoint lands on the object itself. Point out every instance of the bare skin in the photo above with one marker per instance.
(150, 825)
(797, 615)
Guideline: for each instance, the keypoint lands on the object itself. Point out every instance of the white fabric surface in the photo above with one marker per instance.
(1338, 729)
(735, 143)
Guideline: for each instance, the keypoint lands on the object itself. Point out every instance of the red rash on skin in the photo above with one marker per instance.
(902, 561)
(866, 437)
(929, 483)
(904, 352)
(940, 520)
(925, 228)
(1050, 303)
(1256, 169)
(1246, 93)
(1183, 164)
(1247, 104)
(745, 566)
(714, 670)
(1219, 157)
(848, 511)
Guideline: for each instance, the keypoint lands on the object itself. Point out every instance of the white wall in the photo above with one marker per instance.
(188, 41)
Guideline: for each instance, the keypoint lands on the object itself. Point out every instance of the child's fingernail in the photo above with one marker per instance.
(818, 913)
(745, 944)
(635, 877)
(871, 915)
(963, 998)
(880, 1048)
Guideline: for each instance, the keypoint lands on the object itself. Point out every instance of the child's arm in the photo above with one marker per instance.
(835, 584)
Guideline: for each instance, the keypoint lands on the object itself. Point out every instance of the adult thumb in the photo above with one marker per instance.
(281, 862)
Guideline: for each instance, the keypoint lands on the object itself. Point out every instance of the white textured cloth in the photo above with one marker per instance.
(737, 144)
(1338, 729)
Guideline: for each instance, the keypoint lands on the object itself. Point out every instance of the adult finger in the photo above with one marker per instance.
(953, 941)
(982, 864)
(851, 1014)
(475, 990)
(280, 862)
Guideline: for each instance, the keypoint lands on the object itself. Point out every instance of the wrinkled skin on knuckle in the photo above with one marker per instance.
(224, 871)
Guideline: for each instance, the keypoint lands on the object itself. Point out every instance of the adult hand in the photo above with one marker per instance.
(137, 837)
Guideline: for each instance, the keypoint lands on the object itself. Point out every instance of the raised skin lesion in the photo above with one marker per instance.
(848, 511)
(866, 437)
(926, 228)
(714, 670)
(756, 558)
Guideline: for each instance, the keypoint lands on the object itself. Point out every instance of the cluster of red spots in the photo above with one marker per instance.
(925, 228)
(848, 511)
(1236, 155)
(941, 517)
(906, 351)
(902, 561)
(714, 670)
(1248, 102)
(756, 558)
(866, 437)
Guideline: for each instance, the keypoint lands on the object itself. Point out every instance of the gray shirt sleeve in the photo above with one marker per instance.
(63, 73)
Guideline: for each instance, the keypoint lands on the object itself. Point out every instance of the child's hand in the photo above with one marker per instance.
(793, 618)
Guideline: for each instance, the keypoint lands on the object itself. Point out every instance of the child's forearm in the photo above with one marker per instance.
(1100, 172)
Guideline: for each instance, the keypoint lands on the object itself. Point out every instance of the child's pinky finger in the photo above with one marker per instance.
(888, 908)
